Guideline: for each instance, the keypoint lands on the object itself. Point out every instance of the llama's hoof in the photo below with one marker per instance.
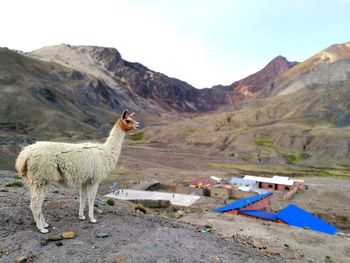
(46, 225)
(82, 217)
(93, 220)
(44, 230)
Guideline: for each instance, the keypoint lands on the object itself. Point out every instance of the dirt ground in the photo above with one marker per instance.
(121, 235)
(326, 197)
(157, 236)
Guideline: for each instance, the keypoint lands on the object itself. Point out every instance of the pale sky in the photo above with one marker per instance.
(203, 42)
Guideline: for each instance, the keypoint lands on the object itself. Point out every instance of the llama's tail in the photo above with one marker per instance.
(22, 162)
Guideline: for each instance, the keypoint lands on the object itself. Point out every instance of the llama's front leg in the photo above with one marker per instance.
(37, 198)
(82, 202)
(91, 194)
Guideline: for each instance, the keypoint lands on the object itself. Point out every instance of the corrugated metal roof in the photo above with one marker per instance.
(274, 180)
(295, 216)
(260, 214)
(202, 182)
(241, 203)
(241, 181)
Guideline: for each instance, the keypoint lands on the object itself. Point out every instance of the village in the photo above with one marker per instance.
(250, 196)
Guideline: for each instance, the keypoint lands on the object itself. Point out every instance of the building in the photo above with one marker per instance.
(291, 215)
(224, 191)
(276, 183)
(297, 217)
(239, 182)
(200, 186)
(258, 202)
(262, 215)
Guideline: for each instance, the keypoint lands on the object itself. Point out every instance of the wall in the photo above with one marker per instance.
(267, 186)
(263, 204)
(237, 194)
(199, 191)
(182, 189)
(220, 192)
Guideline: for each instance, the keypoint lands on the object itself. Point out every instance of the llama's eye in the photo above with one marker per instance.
(127, 121)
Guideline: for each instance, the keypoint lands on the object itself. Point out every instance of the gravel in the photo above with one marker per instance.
(121, 235)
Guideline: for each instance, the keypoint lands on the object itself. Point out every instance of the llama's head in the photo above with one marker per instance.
(126, 122)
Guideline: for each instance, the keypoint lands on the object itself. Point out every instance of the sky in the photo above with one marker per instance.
(203, 42)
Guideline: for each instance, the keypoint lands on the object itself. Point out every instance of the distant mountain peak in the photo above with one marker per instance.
(250, 85)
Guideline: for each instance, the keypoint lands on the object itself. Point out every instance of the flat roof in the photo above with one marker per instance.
(241, 181)
(271, 180)
(175, 199)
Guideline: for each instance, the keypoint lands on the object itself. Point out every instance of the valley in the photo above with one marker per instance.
(288, 119)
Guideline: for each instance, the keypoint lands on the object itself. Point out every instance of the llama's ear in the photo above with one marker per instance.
(125, 114)
(132, 114)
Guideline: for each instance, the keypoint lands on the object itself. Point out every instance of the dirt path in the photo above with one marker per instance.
(121, 235)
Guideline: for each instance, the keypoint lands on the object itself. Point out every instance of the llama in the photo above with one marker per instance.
(84, 165)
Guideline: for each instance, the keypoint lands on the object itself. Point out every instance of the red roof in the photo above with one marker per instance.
(202, 182)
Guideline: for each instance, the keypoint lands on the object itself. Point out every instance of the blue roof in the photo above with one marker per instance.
(298, 217)
(259, 213)
(241, 181)
(241, 203)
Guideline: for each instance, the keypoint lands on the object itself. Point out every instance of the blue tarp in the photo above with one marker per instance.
(298, 217)
(241, 203)
(260, 214)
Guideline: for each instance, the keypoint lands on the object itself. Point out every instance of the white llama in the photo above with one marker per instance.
(84, 164)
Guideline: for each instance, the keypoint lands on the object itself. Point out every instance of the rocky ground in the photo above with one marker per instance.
(121, 235)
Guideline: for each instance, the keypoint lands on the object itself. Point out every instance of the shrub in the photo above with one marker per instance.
(264, 142)
(15, 184)
(135, 136)
(110, 202)
(141, 208)
(293, 158)
(246, 158)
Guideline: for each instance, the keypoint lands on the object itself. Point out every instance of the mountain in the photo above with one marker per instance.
(286, 111)
(255, 82)
(301, 116)
(65, 91)
(163, 93)
(330, 66)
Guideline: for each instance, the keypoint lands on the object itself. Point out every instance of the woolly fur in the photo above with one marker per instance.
(83, 165)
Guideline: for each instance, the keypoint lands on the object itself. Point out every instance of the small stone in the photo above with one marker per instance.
(179, 214)
(68, 234)
(102, 235)
(22, 259)
(99, 211)
(272, 252)
(43, 243)
(59, 243)
(53, 238)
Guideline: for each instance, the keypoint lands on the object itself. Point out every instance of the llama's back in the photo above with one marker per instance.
(64, 163)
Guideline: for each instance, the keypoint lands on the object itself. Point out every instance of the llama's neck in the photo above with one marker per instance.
(113, 144)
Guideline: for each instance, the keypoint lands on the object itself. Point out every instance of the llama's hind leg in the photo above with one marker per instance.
(37, 198)
(82, 202)
(91, 194)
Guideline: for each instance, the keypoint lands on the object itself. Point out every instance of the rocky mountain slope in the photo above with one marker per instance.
(286, 112)
(302, 116)
(158, 91)
(69, 91)
(252, 84)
